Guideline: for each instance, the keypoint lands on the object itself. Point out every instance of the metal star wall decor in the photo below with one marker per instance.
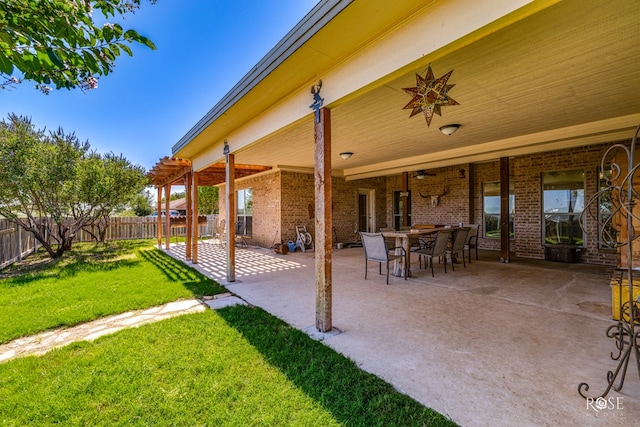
(429, 95)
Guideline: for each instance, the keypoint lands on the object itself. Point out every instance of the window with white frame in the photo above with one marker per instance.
(244, 223)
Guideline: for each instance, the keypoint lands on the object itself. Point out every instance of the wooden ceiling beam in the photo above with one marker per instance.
(172, 170)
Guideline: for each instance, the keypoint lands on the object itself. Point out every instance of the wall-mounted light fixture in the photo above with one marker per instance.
(225, 150)
(462, 174)
(449, 129)
(346, 155)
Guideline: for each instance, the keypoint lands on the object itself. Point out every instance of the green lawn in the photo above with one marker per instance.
(238, 366)
(93, 281)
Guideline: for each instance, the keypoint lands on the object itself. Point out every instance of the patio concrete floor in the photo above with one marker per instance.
(490, 344)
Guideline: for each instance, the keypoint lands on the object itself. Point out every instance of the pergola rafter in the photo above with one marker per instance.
(171, 171)
(174, 171)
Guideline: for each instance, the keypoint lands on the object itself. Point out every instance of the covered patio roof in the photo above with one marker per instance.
(171, 171)
(530, 76)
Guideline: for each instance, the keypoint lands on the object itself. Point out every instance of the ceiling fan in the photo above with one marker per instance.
(422, 173)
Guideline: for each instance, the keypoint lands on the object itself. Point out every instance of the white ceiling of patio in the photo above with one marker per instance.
(557, 79)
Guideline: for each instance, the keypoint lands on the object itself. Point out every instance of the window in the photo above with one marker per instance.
(491, 207)
(563, 202)
(244, 224)
(607, 234)
(398, 209)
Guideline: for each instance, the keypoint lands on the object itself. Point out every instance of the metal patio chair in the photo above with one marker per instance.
(241, 234)
(472, 240)
(437, 250)
(457, 247)
(391, 241)
(220, 233)
(376, 249)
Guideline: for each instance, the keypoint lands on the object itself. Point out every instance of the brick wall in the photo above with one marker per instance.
(284, 199)
(527, 172)
(345, 205)
(266, 206)
(452, 191)
(298, 197)
(298, 204)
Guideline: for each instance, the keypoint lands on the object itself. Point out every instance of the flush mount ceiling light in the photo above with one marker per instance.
(449, 129)
(346, 155)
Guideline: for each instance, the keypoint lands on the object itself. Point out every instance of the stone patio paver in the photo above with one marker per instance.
(43, 342)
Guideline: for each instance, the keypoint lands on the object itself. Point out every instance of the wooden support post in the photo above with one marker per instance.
(504, 210)
(167, 217)
(471, 196)
(231, 217)
(159, 222)
(188, 189)
(405, 199)
(323, 221)
(194, 216)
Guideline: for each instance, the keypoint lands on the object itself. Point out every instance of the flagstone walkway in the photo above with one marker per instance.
(46, 341)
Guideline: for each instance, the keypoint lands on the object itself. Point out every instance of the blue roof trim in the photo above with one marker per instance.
(313, 22)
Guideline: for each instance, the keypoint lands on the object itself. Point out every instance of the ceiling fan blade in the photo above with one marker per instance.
(422, 173)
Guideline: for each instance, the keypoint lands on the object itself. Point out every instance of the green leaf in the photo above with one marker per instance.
(6, 66)
(44, 59)
(58, 40)
(125, 48)
(90, 62)
(145, 41)
(107, 52)
(107, 33)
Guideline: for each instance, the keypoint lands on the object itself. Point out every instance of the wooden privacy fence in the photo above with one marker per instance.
(16, 243)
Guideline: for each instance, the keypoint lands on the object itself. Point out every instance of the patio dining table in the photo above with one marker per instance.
(403, 239)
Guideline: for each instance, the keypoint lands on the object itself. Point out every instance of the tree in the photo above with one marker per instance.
(111, 183)
(207, 200)
(53, 185)
(176, 196)
(142, 203)
(57, 42)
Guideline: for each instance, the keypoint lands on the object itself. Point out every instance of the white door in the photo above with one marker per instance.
(366, 210)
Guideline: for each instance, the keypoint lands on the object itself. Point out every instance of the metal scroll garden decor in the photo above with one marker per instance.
(618, 168)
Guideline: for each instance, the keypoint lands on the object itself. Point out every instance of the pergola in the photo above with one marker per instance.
(174, 171)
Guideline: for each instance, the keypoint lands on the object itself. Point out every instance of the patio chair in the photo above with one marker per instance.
(472, 240)
(220, 233)
(457, 247)
(391, 241)
(437, 250)
(376, 249)
(241, 234)
(414, 242)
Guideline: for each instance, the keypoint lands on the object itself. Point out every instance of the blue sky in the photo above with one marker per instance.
(203, 48)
